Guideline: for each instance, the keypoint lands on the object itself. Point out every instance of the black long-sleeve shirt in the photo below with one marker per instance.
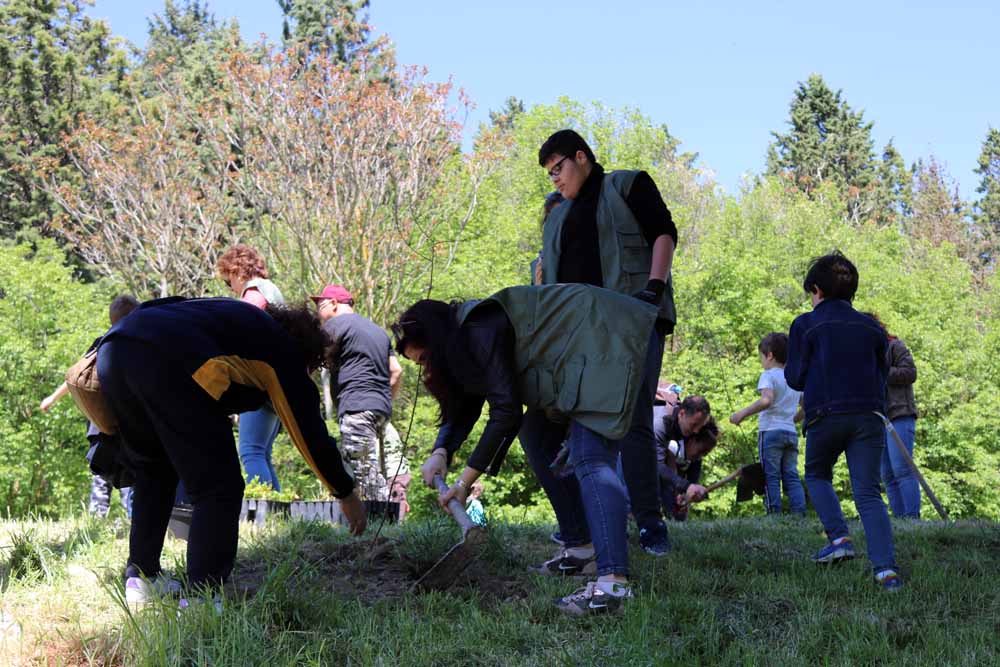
(482, 365)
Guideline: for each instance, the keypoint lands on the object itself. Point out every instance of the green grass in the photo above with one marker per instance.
(733, 592)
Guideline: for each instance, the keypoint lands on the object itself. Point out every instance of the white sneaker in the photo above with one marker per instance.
(140, 591)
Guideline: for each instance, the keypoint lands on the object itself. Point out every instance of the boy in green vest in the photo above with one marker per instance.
(613, 231)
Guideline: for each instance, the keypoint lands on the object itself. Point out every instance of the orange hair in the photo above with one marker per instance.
(241, 261)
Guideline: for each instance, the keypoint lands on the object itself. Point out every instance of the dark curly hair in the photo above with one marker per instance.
(431, 324)
(303, 325)
(243, 262)
(707, 437)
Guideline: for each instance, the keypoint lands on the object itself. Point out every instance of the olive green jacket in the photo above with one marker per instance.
(580, 350)
(626, 258)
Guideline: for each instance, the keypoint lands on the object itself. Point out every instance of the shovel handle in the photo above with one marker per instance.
(901, 448)
(722, 482)
(725, 480)
(457, 511)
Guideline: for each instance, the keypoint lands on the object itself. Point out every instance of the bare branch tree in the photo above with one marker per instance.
(347, 179)
(154, 211)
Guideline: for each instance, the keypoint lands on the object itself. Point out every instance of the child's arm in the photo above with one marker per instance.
(763, 403)
(52, 398)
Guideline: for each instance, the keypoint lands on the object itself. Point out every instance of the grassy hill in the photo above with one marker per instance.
(734, 592)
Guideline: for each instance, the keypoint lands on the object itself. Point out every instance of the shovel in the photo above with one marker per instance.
(444, 572)
(751, 482)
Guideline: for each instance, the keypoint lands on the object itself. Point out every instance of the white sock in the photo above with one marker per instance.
(613, 587)
(584, 551)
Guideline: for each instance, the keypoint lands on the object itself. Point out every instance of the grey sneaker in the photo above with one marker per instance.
(592, 600)
(565, 565)
(140, 591)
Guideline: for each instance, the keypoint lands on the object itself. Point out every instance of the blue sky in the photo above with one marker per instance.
(719, 74)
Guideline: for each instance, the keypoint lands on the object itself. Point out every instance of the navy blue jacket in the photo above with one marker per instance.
(240, 357)
(836, 357)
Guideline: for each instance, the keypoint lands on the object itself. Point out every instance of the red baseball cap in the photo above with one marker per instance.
(337, 293)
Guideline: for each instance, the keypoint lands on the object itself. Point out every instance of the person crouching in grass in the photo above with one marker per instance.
(509, 350)
(836, 357)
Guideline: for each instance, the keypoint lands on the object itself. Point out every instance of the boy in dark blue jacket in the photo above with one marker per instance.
(836, 357)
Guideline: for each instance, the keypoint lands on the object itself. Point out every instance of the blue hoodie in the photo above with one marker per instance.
(836, 357)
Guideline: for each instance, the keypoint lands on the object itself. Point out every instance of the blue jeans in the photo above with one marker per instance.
(541, 440)
(779, 455)
(594, 460)
(901, 484)
(258, 429)
(861, 436)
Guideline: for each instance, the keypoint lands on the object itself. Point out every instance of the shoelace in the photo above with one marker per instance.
(585, 593)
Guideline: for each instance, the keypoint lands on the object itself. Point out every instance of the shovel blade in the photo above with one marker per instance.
(444, 572)
(751, 482)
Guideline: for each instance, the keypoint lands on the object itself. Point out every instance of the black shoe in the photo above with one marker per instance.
(565, 565)
(654, 539)
(591, 600)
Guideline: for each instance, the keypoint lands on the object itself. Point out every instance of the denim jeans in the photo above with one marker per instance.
(258, 429)
(779, 455)
(594, 460)
(541, 440)
(861, 436)
(901, 484)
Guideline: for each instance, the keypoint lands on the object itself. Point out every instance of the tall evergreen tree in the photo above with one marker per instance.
(937, 212)
(186, 41)
(830, 143)
(55, 63)
(505, 117)
(987, 213)
(334, 29)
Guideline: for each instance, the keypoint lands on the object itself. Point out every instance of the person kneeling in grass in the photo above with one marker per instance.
(574, 350)
(837, 359)
(679, 462)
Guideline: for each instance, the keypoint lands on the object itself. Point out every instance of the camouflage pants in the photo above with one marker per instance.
(100, 497)
(374, 450)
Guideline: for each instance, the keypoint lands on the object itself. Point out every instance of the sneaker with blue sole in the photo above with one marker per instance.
(889, 580)
(837, 551)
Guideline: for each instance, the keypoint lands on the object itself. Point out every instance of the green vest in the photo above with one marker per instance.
(625, 256)
(580, 351)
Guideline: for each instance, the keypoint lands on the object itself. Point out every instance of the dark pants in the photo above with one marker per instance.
(638, 448)
(541, 440)
(172, 429)
(861, 437)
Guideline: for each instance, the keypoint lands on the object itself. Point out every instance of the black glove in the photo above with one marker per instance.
(652, 293)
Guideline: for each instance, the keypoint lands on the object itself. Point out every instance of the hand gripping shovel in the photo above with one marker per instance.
(444, 572)
(751, 482)
(901, 448)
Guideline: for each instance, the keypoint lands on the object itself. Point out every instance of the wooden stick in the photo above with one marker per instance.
(913, 466)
